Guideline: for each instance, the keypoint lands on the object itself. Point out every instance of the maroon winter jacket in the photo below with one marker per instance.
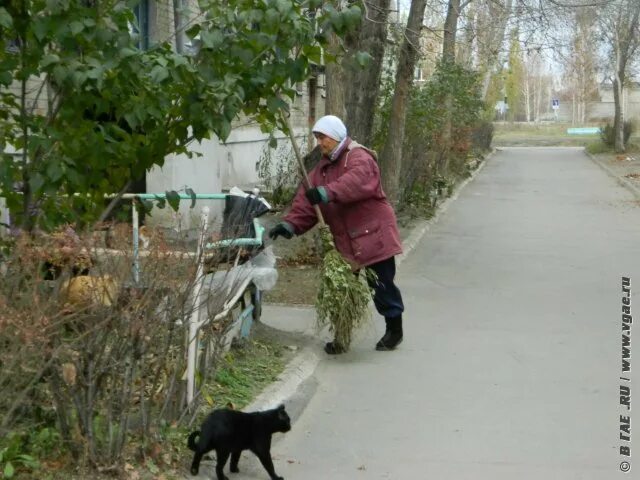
(361, 219)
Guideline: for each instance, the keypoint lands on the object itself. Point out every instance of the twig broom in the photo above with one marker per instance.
(343, 296)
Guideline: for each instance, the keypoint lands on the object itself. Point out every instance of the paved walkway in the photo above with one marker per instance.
(511, 361)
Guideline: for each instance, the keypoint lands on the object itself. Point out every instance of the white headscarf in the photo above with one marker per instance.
(331, 126)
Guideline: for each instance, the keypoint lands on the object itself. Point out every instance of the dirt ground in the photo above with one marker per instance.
(626, 166)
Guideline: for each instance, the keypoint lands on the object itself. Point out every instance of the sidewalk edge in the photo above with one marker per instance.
(299, 369)
(621, 181)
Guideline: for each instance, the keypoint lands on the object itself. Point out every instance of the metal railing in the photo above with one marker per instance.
(235, 242)
(195, 322)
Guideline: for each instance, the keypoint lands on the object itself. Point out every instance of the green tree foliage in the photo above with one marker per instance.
(426, 117)
(86, 110)
(495, 93)
(608, 134)
(514, 79)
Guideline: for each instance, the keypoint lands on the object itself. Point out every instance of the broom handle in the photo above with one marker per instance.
(301, 165)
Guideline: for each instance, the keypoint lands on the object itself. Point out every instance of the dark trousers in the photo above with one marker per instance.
(386, 297)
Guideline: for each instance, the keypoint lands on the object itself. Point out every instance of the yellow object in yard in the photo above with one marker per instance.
(89, 290)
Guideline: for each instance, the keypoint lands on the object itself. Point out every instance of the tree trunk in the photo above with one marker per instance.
(178, 25)
(618, 118)
(527, 96)
(496, 37)
(621, 26)
(312, 87)
(465, 53)
(28, 221)
(363, 84)
(538, 96)
(448, 58)
(335, 75)
(450, 30)
(391, 159)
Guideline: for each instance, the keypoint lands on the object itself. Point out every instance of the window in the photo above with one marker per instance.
(12, 45)
(141, 28)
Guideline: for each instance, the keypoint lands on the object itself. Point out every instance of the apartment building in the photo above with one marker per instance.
(219, 166)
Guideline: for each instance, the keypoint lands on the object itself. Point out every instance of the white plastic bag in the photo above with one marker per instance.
(264, 273)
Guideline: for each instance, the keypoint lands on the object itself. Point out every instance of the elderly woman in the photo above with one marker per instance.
(346, 185)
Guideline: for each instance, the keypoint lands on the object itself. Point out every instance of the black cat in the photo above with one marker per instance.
(229, 432)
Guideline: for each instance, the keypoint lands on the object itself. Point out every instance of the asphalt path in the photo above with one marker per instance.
(511, 362)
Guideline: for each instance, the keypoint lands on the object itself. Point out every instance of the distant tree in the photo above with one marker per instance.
(391, 158)
(449, 36)
(363, 68)
(494, 93)
(492, 19)
(535, 85)
(468, 35)
(581, 62)
(515, 77)
(619, 22)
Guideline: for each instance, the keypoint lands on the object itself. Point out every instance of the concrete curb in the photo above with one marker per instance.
(621, 181)
(299, 369)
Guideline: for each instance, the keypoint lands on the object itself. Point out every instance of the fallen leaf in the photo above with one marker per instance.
(69, 374)
(135, 475)
(154, 451)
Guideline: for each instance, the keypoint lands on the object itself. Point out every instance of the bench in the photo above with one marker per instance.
(583, 131)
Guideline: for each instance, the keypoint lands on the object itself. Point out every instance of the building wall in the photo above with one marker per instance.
(606, 106)
(604, 109)
(222, 166)
(161, 28)
(36, 94)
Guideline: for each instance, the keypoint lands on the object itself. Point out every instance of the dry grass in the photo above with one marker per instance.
(98, 369)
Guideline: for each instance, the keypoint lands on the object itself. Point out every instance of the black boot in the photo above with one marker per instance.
(392, 336)
(334, 348)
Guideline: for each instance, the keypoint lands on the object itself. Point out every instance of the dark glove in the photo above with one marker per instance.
(280, 230)
(316, 195)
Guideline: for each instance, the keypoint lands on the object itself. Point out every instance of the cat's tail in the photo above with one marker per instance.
(191, 442)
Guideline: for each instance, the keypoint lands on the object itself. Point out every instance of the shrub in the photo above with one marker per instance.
(109, 363)
(595, 148)
(607, 133)
(426, 155)
(278, 171)
(482, 135)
